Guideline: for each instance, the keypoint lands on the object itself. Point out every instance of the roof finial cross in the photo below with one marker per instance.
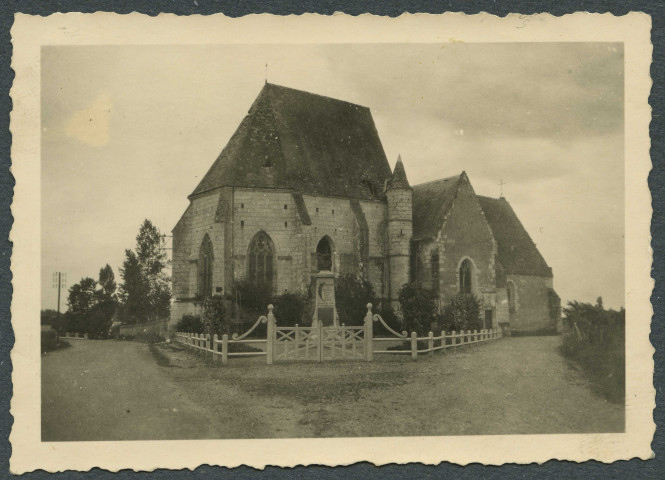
(501, 184)
(266, 72)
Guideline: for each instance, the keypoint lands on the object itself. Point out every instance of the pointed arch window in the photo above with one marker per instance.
(205, 265)
(262, 261)
(466, 276)
(324, 255)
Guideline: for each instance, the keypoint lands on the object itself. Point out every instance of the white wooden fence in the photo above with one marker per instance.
(329, 343)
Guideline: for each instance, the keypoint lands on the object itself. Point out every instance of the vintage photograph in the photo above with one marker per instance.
(348, 239)
(395, 240)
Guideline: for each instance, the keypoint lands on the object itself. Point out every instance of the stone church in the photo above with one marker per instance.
(304, 185)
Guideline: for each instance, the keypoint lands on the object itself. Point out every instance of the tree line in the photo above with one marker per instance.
(143, 295)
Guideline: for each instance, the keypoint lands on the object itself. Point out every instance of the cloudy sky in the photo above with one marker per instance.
(128, 132)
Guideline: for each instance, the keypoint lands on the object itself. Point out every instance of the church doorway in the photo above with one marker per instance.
(488, 319)
(324, 255)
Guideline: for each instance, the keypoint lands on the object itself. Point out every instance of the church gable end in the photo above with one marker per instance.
(309, 143)
(467, 248)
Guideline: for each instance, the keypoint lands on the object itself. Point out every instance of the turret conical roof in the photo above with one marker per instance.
(398, 178)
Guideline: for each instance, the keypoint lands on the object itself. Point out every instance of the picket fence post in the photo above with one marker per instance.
(414, 346)
(271, 336)
(225, 349)
(430, 343)
(369, 334)
(215, 339)
(208, 344)
(320, 340)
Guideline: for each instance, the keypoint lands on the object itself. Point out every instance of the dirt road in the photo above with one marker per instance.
(113, 390)
(106, 390)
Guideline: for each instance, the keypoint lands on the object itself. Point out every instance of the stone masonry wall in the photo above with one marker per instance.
(532, 307)
(180, 255)
(502, 307)
(202, 223)
(466, 234)
(400, 230)
(295, 244)
(249, 211)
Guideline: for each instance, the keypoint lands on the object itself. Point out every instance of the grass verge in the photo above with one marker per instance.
(604, 365)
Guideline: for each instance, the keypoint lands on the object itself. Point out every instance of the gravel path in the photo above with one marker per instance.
(108, 390)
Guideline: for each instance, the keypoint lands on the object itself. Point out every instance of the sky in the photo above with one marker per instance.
(129, 131)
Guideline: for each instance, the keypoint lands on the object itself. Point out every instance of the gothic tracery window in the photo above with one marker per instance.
(261, 261)
(465, 277)
(205, 266)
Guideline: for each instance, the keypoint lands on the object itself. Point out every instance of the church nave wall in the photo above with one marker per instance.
(532, 302)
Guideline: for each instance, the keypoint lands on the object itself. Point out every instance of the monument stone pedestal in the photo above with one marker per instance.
(325, 312)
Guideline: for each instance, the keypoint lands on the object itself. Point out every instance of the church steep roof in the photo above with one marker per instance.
(517, 252)
(431, 204)
(309, 143)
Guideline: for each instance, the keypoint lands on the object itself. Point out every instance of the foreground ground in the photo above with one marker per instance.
(113, 390)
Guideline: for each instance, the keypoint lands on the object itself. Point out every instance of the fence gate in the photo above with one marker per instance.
(320, 343)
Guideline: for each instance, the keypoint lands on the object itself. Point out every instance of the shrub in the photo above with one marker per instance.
(73, 323)
(215, 320)
(49, 341)
(597, 345)
(594, 323)
(462, 313)
(418, 307)
(100, 319)
(190, 324)
(352, 294)
(253, 296)
(48, 316)
(291, 309)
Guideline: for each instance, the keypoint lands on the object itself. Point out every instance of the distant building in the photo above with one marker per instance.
(304, 185)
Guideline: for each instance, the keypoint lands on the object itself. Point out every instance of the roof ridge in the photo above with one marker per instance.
(324, 97)
(438, 180)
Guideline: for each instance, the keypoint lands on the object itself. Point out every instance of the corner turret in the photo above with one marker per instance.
(399, 195)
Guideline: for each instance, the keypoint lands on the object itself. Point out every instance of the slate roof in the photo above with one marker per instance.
(398, 179)
(517, 252)
(305, 142)
(431, 204)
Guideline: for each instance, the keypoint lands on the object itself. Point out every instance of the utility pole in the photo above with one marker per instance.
(59, 282)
